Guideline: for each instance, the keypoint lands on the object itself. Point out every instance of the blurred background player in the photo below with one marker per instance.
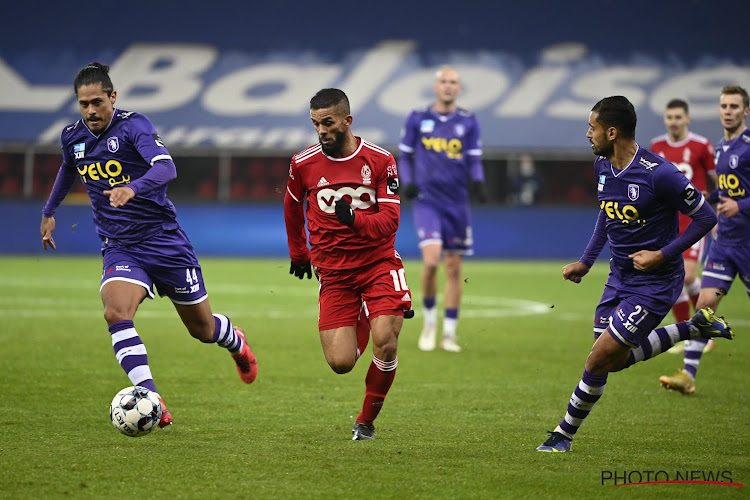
(694, 156)
(351, 189)
(125, 168)
(640, 194)
(729, 254)
(441, 159)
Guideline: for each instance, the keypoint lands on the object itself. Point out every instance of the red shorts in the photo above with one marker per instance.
(695, 252)
(381, 287)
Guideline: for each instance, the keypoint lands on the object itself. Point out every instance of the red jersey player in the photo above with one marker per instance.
(694, 156)
(353, 212)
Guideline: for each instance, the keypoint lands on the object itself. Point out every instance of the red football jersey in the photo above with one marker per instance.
(694, 156)
(368, 180)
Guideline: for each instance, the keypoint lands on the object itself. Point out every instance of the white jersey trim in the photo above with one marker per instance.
(304, 155)
(375, 147)
(129, 280)
(361, 143)
(388, 200)
(160, 157)
(703, 200)
(189, 302)
(292, 194)
(692, 136)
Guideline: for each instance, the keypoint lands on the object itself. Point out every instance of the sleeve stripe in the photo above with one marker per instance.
(292, 194)
(389, 200)
(696, 208)
(405, 148)
(159, 157)
(375, 148)
(308, 153)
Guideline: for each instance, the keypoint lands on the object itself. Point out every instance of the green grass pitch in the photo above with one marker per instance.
(454, 426)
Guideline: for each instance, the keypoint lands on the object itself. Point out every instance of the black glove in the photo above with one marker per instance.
(410, 191)
(478, 192)
(299, 269)
(344, 213)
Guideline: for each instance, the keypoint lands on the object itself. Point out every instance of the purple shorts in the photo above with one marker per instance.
(449, 225)
(723, 264)
(631, 311)
(166, 260)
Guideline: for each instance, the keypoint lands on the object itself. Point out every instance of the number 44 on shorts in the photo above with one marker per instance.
(192, 278)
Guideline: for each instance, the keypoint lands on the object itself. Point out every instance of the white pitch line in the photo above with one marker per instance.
(473, 307)
(227, 288)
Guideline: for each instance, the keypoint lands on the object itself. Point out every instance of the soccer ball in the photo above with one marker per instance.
(135, 411)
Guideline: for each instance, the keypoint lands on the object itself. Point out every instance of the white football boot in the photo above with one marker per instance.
(428, 338)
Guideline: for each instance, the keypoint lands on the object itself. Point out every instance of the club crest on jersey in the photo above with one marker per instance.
(427, 126)
(734, 160)
(460, 129)
(79, 150)
(366, 175)
(633, 191)
(113, 144)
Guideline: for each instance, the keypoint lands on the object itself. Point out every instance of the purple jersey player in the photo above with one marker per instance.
(441, 156)
(730, 253)
(125, 168)
(640, 195)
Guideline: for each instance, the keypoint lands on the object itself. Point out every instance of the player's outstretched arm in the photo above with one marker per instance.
(575, 272)
(48, 225)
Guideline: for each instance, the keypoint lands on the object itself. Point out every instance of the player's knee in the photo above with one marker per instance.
(386, 349)
(605, 364)
(341, 366)
(453, 272)
(114, 314)
(431, 267)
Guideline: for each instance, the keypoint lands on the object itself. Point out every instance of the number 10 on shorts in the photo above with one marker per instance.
(399, 280)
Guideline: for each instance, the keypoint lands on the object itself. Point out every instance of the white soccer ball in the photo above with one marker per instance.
(135, 411)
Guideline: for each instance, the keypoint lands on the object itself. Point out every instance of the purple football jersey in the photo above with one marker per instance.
(118, 156)
(733, 170)
(640, 205)
(441, 145)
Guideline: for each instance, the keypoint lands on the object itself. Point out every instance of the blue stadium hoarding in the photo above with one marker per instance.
(240, 76)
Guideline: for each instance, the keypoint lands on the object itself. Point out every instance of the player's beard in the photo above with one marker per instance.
(334, 148)
(606, 150)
